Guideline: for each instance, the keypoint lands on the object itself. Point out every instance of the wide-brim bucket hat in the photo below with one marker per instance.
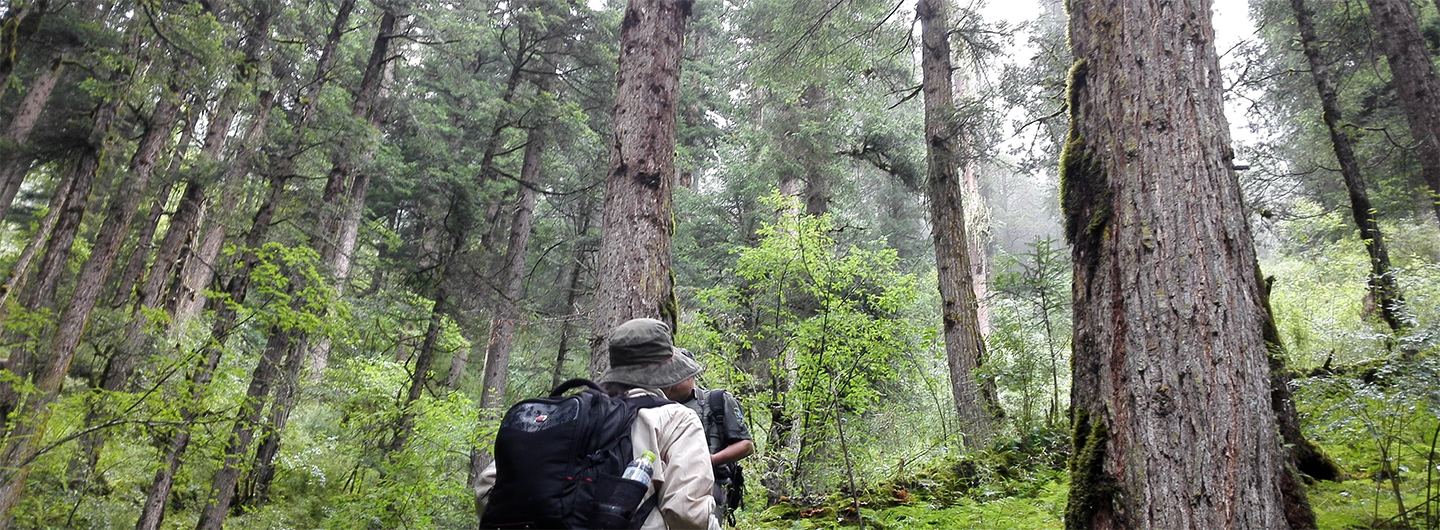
(642, 354)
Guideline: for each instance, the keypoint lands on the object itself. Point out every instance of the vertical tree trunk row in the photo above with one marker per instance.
(964, 346)
(222, 326)
(343, 212)
(342, 203)
(25, 438)
(199, 269)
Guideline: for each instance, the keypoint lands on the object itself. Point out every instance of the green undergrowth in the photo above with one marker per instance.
(1040, 507)
(1354, 504)
(1008, 489)
(1349, 505)
(1016, 484)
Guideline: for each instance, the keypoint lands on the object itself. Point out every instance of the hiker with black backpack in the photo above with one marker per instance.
(560, 460)
(727, 436)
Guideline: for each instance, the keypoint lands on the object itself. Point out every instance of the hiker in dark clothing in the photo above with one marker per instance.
(725, 431)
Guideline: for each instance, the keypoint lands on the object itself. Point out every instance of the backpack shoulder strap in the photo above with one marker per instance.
(715, 402)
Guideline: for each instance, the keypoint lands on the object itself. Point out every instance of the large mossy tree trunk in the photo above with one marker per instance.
(1415, 81)
(634, 260)
(964, 347)
(1171, 389)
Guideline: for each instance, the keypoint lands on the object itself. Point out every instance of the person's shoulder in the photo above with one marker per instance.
(730, 396)
(669, 409)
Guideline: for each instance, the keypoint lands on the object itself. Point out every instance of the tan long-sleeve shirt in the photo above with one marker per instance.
(682, 477)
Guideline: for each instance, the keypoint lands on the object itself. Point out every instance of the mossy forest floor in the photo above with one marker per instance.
(1352, 504)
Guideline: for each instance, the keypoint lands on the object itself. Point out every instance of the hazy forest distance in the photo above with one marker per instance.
(284, 263)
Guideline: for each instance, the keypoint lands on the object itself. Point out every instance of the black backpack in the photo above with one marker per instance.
(735, 488)
(552, 452)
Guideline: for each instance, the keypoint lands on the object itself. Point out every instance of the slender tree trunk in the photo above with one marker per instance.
(487, 174)
(964, 347)
(222, 490)
(1172, 416)
(512, 273)
(13, 165)
(635, 254)
(405, 427)
(1301, 454)
(567, 326)
(124, 288)
(286, 389)
(1415, 81)
(24, 439)
(507, 311)
(1382, 281)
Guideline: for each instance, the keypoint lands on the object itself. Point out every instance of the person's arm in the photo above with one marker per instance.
(483, 487)
(735, 432)
(685, 498)
(733, 453)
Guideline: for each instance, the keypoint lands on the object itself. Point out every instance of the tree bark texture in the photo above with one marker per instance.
(1416, 83)
(1171, 389)
(1382, 282)
(964, 347)
(977, 235)
(14, 165)
(634, 260)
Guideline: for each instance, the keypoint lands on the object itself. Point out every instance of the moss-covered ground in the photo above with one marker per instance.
(1349, 505)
